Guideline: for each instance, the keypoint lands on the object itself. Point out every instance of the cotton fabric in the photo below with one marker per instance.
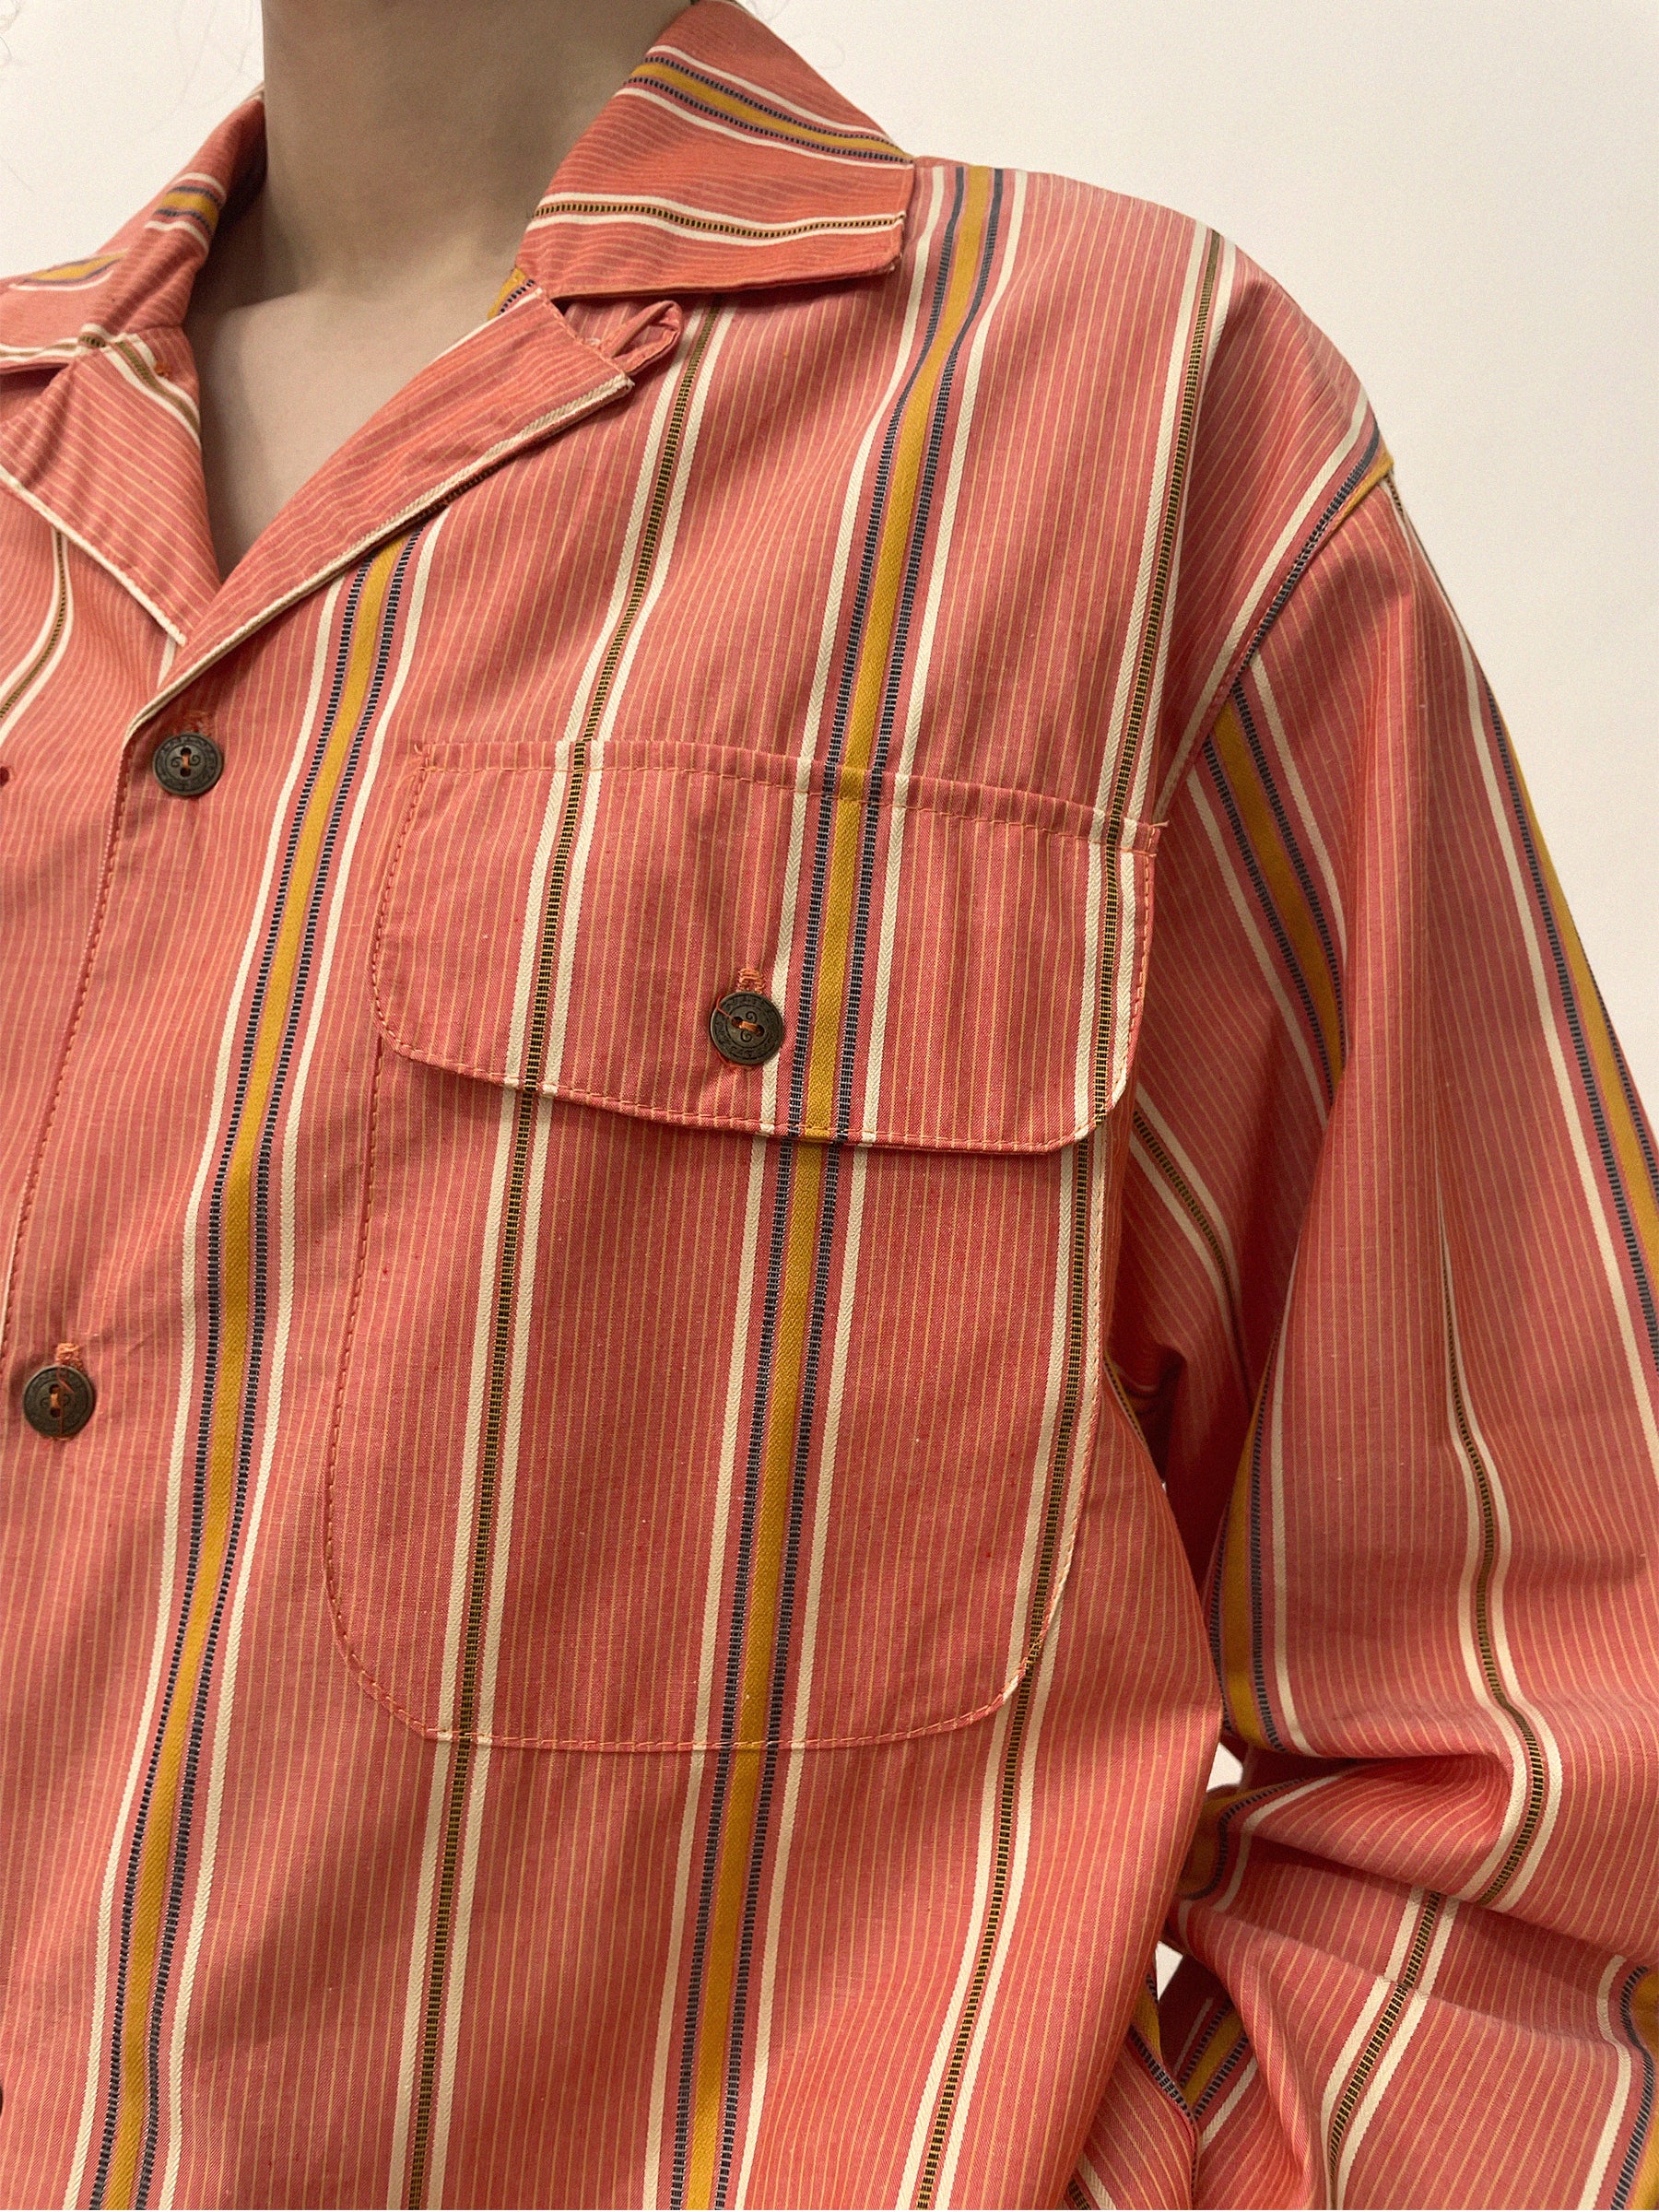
(628, 1629)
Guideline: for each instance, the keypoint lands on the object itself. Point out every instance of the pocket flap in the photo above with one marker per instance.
(959, 968)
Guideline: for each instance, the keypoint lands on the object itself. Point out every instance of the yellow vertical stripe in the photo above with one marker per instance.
(1224, 2037)
(1289, 900)
(758, 1657)
(1644, 2012)
(155, 1854)
(1145, 2021)
(1381, 465)
(872, 666)
(805, 1203)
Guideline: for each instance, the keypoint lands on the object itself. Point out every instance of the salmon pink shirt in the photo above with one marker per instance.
(590, 1621)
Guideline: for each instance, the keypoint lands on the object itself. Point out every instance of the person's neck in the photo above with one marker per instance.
(407, 140)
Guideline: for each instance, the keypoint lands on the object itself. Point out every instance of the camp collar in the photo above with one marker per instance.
(723, 163)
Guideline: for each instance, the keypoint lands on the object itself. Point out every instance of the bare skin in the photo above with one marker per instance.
(407, 144)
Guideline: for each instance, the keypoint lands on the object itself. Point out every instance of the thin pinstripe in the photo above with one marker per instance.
(717, 1705)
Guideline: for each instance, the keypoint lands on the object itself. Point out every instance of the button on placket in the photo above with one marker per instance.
(58, 1400)
(187, 764)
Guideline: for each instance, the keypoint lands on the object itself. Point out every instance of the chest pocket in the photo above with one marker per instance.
(687, 1402)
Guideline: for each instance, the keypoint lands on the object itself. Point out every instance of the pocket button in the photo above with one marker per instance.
(745, 1028)
(188, 764)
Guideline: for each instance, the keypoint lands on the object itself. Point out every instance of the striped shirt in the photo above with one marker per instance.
(629, 1626)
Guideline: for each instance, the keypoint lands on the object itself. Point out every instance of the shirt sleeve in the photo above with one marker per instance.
(1387, 1312)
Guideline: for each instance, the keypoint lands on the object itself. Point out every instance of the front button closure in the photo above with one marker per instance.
(745, 1028)
(58, 1400)
(187, 764)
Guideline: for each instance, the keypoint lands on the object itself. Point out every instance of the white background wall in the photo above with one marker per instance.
(1464, 193)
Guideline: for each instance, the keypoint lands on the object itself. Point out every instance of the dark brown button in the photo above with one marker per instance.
(745, 1028)
(188, 763)
(58, 1401)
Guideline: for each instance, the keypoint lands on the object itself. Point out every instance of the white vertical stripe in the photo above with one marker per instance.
(1134, 640)
(974, 1923)
(846, 1290)
(1235, 891)
(1398, 2043)
(570, 919)
(1134, 629)
(1122, 998)
(924, 658)
(287, 1197)
(1082, 1445)
(1223, 1273)
(60, 606)
(1502, 1655)
(1066, 1164)
(1130, 926)
(1281, 1570)
(1025, 1795)
(1253, 602)
(807, 1646)
(488, 1261)
(832, 614)
(1566, 1089)
(420, 1944)
(501, 1538)
(1090, 2179)
(1220, 298)
(1291, 775)
(779, 984)
(500, 1555)
(1227, 2106)
(1223, 1902)
(730, 1432)
(580, 701)
(1602, 2155)
(1365, 2020)
(184, 1400)
(1190, 1231)
(1213, 1210)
